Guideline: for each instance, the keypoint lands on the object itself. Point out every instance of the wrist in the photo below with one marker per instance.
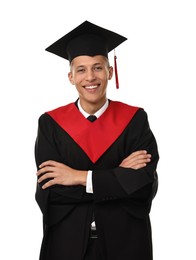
(81, 177)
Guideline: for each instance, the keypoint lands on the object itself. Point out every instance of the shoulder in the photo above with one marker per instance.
(120, 104)
(124, 108)
(61, 109)
(56, 112)
(139, 115)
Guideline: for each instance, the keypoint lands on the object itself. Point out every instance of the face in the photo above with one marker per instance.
(90, 76)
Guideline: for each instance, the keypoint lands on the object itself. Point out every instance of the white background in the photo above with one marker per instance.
(157, 68)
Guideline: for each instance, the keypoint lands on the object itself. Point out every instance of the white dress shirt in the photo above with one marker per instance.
(89, 184)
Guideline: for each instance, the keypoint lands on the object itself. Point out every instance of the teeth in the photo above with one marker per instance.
(90, 87)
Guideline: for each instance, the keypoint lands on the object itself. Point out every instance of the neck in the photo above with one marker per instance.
(92, 108)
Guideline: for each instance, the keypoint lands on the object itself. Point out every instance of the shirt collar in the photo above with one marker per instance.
(98, 113)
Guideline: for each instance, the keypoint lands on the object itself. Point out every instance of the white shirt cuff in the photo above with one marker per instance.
(89, 184)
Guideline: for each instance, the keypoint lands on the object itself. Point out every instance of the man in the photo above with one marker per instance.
(96, 175)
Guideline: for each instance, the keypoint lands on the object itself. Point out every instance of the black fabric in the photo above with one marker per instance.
(93, 251)
(121, 200)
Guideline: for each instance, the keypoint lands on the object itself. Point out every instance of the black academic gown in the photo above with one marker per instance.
(122, 197)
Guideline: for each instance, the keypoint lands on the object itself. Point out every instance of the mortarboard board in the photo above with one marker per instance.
(86, 39)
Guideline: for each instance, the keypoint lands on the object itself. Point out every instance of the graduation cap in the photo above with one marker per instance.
(87, 39)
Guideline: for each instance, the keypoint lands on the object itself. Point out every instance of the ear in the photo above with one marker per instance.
(110, 72)
(70, 76)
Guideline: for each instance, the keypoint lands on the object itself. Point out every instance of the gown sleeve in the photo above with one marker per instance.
(56, 201)
(126, 184)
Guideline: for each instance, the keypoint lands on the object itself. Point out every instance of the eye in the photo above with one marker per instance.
(98, 68)
(80, 70)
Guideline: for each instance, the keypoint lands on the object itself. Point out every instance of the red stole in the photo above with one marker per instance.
(94, 138)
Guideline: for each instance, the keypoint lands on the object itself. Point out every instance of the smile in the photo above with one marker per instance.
(91, 87)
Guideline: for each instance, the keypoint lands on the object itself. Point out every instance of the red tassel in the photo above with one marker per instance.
(116, 71)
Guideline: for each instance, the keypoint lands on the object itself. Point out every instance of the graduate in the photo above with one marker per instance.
(96, 161)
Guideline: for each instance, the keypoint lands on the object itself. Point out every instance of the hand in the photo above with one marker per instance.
(59, 173)
(136, 160)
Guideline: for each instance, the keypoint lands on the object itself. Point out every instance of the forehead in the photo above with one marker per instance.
(88, 60)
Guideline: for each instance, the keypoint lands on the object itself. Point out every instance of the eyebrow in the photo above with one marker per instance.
(97, 63)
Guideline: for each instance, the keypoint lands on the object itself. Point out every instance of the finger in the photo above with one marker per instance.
(46, 176)
(48, 163)
(136, 158)
(143, 157)
(139, 166)
(141, 161)
(136, 154)
(140, 152)
(45, 170)
(49, 184)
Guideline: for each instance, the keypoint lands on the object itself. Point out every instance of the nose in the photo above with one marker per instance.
(90, 75)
